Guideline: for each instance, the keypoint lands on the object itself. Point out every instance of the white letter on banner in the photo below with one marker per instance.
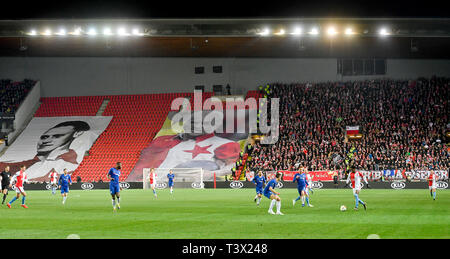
(184, 115)
(215, 115)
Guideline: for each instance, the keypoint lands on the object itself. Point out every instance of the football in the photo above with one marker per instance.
(343, 208)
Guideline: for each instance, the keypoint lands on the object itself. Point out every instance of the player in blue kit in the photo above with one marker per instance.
(64, 181)
(271, 194)
(171, 176)
(114, 184)
(259, 180)
(302, 183)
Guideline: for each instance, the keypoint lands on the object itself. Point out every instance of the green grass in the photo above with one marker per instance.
(228, 214)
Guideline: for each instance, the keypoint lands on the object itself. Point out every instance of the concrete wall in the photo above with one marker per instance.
(112, 76)
(27, 106)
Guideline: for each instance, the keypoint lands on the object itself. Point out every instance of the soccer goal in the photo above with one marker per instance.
(193, 176)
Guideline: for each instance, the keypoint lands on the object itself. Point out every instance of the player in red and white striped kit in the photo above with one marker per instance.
(53, 181)
(309, 186)
(19, 179)
(355, 179)
(152, 179)
(432, 178)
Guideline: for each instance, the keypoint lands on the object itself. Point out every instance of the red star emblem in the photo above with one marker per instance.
(198, 150)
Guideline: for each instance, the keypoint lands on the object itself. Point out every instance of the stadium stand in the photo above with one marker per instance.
(13, 93)
(254, 94)
(403, 123)
(69, 106)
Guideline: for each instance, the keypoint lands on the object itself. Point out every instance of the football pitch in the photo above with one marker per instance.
(227, 214)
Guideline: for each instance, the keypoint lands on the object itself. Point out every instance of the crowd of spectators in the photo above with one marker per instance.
(403, 123)
(12, 94)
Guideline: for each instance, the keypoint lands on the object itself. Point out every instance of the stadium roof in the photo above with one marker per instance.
(250, 27)
(252, 37)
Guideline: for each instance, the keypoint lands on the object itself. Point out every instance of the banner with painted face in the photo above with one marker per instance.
(214, 152)
(53, 144)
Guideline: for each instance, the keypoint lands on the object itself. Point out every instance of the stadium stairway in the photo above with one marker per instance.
(240, 171)
(246, 157)
(102, 107)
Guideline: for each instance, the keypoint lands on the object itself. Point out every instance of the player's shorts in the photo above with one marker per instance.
(356, 189)
(19, 189)
(64, 189)
(259, 190)
(170, 184)
(268, 194)
(54, 183)
(152, 185)
(5, 187)
(300, 189)
(113, 189)
(433, 186)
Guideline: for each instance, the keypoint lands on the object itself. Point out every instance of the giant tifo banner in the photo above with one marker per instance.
(215, 152)
(53, 143)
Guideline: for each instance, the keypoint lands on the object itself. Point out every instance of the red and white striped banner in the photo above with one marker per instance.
(352, 130)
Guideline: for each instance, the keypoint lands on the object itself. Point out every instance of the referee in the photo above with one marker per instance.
(5, 182)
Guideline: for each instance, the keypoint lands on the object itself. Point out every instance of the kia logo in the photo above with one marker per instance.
(441, 185)
(87, 186)
(48, 186)
(124, 185)
(279, 185)
(161, 185)
(236, 184)
(197, 185)
(317, 185)
(398, 185)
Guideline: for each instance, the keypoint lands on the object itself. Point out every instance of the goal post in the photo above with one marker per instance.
(185, 175)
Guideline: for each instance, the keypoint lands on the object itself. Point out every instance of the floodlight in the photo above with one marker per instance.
(383, 32)
(280, 32)
(331, 31)
(265, 32)
(136, 32)
(61, 32)
(77, 31)
(92, 32)
(348, 31)
(122, 32)
(107, 31)
(314, 31)
(47, 32)
(297, 31)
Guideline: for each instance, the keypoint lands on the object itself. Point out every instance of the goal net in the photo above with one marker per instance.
(193, 176)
